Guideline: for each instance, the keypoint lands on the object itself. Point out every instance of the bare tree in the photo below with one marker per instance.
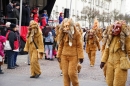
(114, 14)
(89, 13)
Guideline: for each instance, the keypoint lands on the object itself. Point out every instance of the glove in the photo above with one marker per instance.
(59, 59)
(81, 61)
(98, 49)
(102, 65)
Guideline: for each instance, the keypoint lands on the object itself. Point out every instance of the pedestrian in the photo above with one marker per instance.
(34, 46)
(45, 15)
(17, 51)
(27, 14)
(11, 37)
(60, 18)
(9, 11)
(70, 51)
(2, 40)
(16, 13)
(49, 43)
(117, 47)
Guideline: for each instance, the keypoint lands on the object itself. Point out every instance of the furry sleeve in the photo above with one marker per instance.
(79, 46)
(105, 55)
(127, 41)
(26, 48)
(40, 44)
(98, 45)
(60, 47)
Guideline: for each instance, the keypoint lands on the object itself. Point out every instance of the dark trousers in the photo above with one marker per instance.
(15, 57)
(10, 58)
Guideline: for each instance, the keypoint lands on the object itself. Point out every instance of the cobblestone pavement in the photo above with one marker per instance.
(89, 76)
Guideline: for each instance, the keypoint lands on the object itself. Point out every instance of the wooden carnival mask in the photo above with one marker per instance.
(66, 27)
(90, 34)
(116, 29)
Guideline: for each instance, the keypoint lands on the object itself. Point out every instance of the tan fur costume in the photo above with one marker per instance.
(91, 46)
(93, 43)
(115, 48)
(70, 50)
(36, 35)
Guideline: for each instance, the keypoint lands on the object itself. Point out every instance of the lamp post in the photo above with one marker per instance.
(20, 17)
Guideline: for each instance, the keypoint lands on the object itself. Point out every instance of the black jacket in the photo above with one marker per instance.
(12, 37)
(24, 15)
(9, 11)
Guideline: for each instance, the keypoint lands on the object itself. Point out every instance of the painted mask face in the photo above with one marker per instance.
(116, 29)
(66, 27)
(90, 34)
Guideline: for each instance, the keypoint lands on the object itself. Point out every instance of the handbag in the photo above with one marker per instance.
(124, 63)
(7, 44)
(16, 46)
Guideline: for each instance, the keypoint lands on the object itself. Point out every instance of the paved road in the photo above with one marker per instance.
(89, 76)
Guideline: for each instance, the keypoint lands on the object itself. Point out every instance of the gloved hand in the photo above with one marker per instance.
(98, 49)
(59, 59)
(102, 65)
(81, 61)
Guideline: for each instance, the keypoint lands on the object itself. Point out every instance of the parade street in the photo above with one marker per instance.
(89, 76)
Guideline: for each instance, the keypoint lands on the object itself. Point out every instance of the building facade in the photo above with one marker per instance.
(82, 10)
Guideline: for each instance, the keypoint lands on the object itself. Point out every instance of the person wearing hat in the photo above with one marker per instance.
(16, 12)
(60, 18)
(11, 37)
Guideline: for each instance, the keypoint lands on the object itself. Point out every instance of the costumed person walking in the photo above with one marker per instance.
(34, 46)
(92, 44)
(70, 51)
(117, 47)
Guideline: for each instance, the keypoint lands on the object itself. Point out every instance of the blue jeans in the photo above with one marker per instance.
(48, 51)
(10, 58)
(15, 57)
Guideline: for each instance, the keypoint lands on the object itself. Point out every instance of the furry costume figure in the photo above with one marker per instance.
(116, 46)
(70, 50)
(98, 30)
(91, 46)
(35, 35)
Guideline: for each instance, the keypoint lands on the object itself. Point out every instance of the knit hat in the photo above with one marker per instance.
(12, 25)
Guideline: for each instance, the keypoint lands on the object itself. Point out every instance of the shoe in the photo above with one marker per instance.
(11, 68)
(16, 65)
(91, 65)
(45, 58)
(37, 75)
(61, 74)
(32, 76)
(48, 58)
(51, 59)
(1, 72)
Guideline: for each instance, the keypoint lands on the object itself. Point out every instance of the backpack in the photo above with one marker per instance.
(49, 38)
